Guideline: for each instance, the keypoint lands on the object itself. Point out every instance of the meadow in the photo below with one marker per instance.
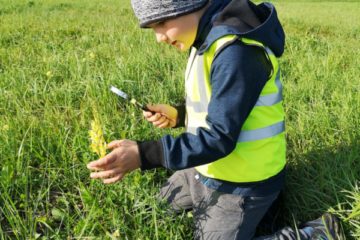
(57, 61)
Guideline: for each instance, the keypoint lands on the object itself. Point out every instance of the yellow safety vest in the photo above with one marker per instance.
(260, 150)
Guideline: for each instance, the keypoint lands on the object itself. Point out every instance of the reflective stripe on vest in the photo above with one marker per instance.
(261, 133)
(257, 134)
(267, 100)
(199, 106)
(271, 99)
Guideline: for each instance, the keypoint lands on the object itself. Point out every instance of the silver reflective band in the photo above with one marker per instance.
(201, 82)
(202, 105)
(254, 135)
(197, 106)
(261, 133)
(269, 51)
(277, 80)
(190, 63)
(271, 99)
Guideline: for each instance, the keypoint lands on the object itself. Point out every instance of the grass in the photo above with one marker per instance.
(57, 61)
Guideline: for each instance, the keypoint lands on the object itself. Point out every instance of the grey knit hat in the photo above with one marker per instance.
(151, 11)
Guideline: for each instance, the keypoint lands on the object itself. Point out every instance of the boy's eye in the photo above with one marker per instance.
(160, 24)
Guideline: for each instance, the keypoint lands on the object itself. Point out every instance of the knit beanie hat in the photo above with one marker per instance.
(151, 11)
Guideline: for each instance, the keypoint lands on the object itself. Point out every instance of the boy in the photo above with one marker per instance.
(231, 159)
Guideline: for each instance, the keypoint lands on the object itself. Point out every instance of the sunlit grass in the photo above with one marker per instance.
(59, 58)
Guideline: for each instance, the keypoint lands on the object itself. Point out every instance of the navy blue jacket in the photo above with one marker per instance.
(238, 74)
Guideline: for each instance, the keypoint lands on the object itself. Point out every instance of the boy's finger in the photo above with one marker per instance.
(114, 144)
(165, 124)
(106, 174)
(101, 163)
(147, 114)
(154, 117)
(160, 121)
(114, 179)
(95, 168)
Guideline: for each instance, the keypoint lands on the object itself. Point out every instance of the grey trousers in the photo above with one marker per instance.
(217, 215)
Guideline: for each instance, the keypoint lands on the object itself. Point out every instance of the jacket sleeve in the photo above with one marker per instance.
(238, 74)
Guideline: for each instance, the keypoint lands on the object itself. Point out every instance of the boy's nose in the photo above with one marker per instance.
(161, 37)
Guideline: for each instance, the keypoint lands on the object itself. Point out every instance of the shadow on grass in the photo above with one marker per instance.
(317, 181)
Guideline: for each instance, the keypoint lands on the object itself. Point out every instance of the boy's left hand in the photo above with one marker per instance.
(123, 159)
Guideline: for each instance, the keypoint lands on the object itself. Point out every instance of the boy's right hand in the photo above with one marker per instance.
(162, 115)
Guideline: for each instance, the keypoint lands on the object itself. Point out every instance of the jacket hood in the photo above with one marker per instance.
(245, 19)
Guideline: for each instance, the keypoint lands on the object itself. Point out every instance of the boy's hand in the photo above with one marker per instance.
(123, 159)
(164, 116)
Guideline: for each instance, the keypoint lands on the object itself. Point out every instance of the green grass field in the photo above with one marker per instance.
(57, 61)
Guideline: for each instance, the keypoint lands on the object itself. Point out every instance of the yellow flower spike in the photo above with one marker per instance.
(98, 144)
(49, 74)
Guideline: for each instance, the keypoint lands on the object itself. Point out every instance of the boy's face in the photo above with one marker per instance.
(179, 32)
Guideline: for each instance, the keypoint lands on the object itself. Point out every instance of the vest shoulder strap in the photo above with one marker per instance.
(223, 42)
(227, 40)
